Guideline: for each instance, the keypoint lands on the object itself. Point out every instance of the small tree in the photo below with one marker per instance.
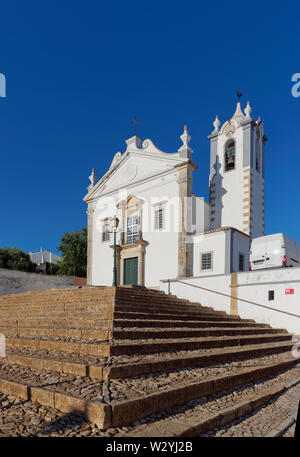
(15, 259)
(52, 268)
(73, 246)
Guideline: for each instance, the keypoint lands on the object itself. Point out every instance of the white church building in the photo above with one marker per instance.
(165, 230)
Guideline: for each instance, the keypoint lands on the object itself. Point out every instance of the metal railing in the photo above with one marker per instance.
(228, 296)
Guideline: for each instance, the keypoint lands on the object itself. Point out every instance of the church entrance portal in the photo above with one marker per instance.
(131, 271)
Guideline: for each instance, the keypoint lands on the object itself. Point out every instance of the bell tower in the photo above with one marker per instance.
(236, 177)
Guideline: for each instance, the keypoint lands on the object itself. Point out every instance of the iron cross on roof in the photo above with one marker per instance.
(134, 122)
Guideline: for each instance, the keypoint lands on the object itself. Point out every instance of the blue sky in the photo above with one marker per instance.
(77, 73)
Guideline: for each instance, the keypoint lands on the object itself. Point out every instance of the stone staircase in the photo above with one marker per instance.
(129, 354)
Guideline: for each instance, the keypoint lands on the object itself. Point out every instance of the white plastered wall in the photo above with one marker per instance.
(254, 287)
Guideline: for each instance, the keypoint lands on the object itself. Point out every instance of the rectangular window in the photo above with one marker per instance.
(206, 261)
(271, 295)
(105, 233)
(159, 219)
(132, 229)
(241, 262)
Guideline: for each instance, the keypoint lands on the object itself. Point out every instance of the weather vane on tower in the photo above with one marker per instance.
(239, 94)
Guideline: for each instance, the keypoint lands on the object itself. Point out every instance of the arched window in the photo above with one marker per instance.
(230, 155)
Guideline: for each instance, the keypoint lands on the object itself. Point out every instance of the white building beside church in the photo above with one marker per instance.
(42, 257)
(165, 230)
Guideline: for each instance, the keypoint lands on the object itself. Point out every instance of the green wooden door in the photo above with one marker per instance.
(131, 271)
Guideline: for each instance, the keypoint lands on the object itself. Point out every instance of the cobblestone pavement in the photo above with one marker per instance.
(264, 419)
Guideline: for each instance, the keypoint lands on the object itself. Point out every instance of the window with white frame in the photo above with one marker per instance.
(105, 233)
(206, 261)
(132, 229)
(159, 218)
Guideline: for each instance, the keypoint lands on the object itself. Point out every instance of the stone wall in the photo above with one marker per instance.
(12, 281)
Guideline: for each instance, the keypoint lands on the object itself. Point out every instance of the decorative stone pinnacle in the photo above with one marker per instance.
(185, 150)
(217, 124)
(248, 110)
(93, 178)
(238, 115)
(185, 137)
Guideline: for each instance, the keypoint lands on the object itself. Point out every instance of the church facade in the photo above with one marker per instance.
(165, 230)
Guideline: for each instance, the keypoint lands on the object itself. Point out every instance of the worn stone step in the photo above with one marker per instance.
(148, 311)
(128, 411)
(90, 312)
(172, 316)
(147, 346)
(178, 323)
(99, 348)
(190, 333)
(128, 405)
(201, 416)
(16, 300)
(62, 316)
(97, 312)
(273, 419)
(60, 332)
(146, 333)
(107, 324)
(59, 301)
(48, 311)
(167, 309)
(78, 296)
(67, 323)
(62, 364)
(170, 362)
(83, 302)
(152, 346)
(33, 387)
(58, 308)
(99, 370)
(163, 302)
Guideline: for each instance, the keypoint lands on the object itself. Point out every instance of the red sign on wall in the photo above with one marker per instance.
(289, 291)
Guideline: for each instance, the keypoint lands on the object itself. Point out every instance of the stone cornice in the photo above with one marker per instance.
(213, 136)
(132, 245)
(144, 179)
(187, 163)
